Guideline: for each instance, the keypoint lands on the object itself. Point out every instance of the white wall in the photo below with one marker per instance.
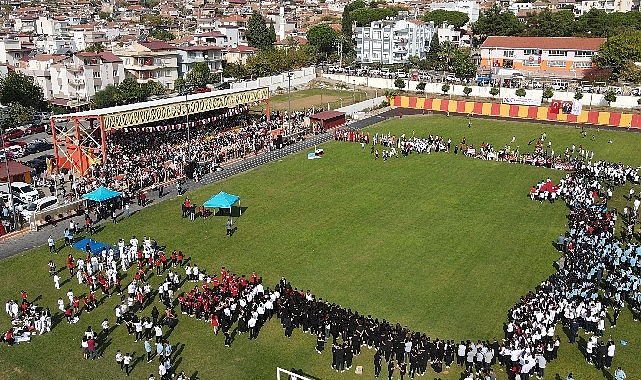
(356, 107)
(299, 78)
(629, 102)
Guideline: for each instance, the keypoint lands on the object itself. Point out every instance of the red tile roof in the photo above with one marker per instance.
(158, 45)
(560, 43)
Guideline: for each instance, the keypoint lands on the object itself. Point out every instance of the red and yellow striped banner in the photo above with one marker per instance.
(611, 119)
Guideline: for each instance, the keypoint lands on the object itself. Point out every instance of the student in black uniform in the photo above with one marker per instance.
(377, 363)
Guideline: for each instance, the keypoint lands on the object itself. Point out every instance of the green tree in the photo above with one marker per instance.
(445, 88)
(550, 24)
(162, 34)
(153, 88)
(365, 16)
(467, 90)
(619, 50)
(610, 96)
(95, 48)
(494, 91)
(439, 16)
(495, 22)
(148, 3)
(462, 64)
(578, 95)
(107, 97)
(19, 114)
(130, 91)
(21, 89)
(322, 37)
(257, 33)
(199, 74)
(547, 93)
(420, 86)
(434, 53)
(234, 70)
(520, 92)
(180, 85)
(346, 21)
(399, 83)
(272, 33)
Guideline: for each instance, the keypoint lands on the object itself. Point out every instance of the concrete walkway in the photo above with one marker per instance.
(19, 243)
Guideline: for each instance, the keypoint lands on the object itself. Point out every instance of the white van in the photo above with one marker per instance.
(39, 205)
(24, 191)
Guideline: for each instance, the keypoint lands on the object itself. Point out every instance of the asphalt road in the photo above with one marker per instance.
(23, 242)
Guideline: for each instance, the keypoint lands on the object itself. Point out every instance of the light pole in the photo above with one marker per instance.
(289, 96)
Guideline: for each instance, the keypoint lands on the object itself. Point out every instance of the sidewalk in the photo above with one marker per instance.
(12, 246)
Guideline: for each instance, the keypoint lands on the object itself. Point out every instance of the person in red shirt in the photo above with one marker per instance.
(181, 257)
(70, 264)
(174, 258)
(158, 266)
(24, 295)
(214, 323)
(253, 278)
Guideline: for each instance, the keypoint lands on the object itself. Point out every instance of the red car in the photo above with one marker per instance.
(34, 129)
(15, 133)
(11, 143)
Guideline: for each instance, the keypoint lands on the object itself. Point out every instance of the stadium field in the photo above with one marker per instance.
(441, 243)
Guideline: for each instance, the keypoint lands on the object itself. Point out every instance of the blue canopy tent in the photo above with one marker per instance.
(96, 246)
(223, 200)
(101, 194)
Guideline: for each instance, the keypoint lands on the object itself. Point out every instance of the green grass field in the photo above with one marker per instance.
(441, 243)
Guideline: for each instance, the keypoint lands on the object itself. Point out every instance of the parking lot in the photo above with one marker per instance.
(528, 81)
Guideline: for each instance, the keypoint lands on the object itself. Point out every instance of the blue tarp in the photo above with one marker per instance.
(101, 194)
(96, 246)
(222, 200)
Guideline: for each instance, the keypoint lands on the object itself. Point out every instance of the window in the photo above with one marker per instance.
(508, 53)
(583, 53)
(96, 74)
(532, 52)
(582, 65)
(531, 63)
(558, 53)
(508, 63)
(557, 63)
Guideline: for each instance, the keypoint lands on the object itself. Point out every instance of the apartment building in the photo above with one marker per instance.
(188, 55)
(393, 41)
(562, 56)
(146, 61)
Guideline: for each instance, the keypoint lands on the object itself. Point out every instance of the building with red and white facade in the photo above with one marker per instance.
(559, 56)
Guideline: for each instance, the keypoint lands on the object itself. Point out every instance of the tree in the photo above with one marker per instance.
(455, 18)
(322, 37)
(495, 22)
(520, 92)
(399, 83)
(462, 64)
(162, 34)
(21, 89)
(19, 114)
(257, 33)
(95, 48)
(445, 88)
(234, 70)
(578, 95)
(494, 91)
(148, 3)
(272, 33)
(129, 91)
(619, 50)
(153, 88)
(547, 93)
(365, 16)
(550, 24)
(467, 90)
(434, 52)
(180, 84)
(199, 74)
(346, 22)
(610, 96)
(420, 86)
(107, 97)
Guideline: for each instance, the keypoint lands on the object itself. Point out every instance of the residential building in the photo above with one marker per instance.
(146, 61)
(449, 33)
(561, 56)
(393, 41)
(188, 55)
(608, 6)
(239, 54)
(469, 7)
(12, 50)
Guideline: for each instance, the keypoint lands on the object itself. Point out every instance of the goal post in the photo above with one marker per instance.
(283, 374)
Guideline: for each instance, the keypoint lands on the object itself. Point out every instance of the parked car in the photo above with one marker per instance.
(401, 74)
(636, 91)
(37, 147)
(14, 133)
(587, 88)
(38, 164)
(18, 204)
(36, 128)
(39, 205)
(15, 151)
(451, 78)
(24, 191)
(10, 143)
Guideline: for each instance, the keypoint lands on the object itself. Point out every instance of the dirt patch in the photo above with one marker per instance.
(308, 102)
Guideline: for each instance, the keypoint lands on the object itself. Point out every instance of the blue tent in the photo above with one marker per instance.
(96, 246)
(222, 200)
(101, 194)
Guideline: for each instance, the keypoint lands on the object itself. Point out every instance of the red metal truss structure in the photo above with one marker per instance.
(80, 139)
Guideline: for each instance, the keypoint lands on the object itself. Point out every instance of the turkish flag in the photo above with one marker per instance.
(556, 105)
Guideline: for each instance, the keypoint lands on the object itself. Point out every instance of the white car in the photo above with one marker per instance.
(39, 205)
(18, 204)
(24, 191)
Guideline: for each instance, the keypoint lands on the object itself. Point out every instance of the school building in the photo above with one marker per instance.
(557, 56)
